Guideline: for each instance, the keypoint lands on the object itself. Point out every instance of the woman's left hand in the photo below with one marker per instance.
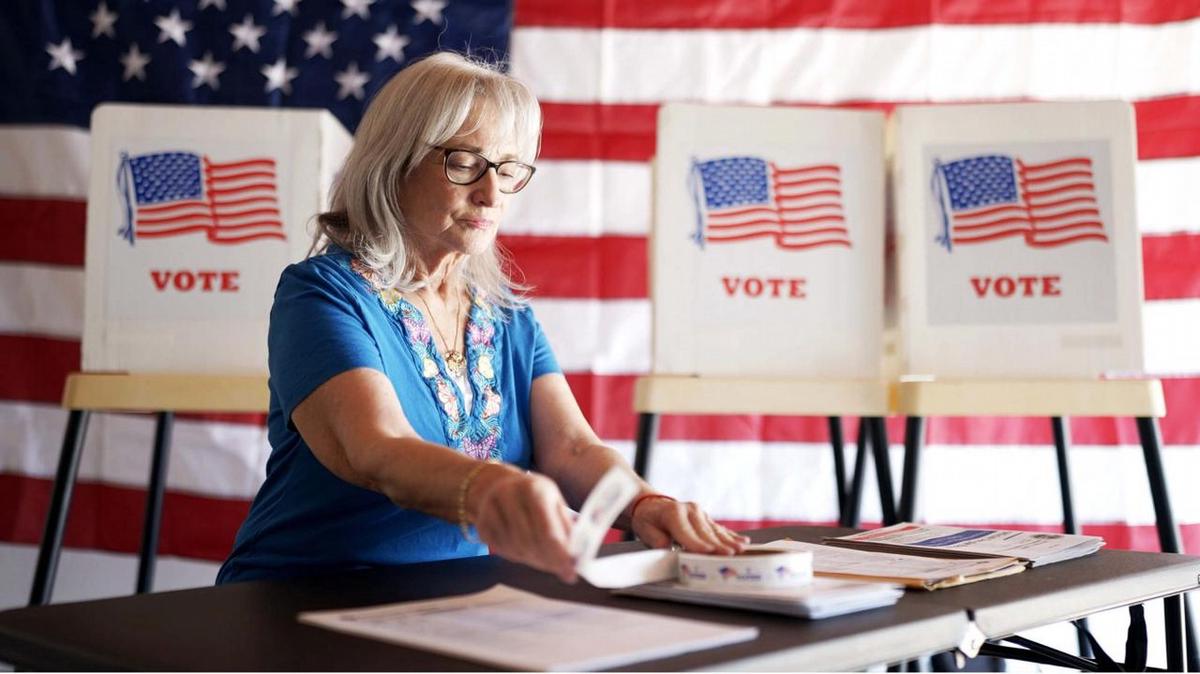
(660, 521)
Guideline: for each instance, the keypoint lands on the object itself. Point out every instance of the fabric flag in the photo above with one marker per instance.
(179, 193)
(748, 198)
(990, 197)
(578, 233)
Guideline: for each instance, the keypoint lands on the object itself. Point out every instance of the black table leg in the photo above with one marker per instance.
(1168, 538)
(883, 471)
(60, 504)
(853, 502)
(154, 500)
(647, 432)
(914, 442)
(839, 464)
(1062, 440)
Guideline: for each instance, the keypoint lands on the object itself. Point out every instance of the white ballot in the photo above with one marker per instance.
(1035, 547)
(506, 627)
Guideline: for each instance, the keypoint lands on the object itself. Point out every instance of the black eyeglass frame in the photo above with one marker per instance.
(487, 164)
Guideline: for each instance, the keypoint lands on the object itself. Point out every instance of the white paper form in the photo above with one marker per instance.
(507, 627)
(1036, 546)
(831, 560)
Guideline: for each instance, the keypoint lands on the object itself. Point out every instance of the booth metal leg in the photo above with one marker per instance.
(60, 505)
(1062, 441)
(853, 502)
(914, 442)
(1168, 536)
(839, 464)
(647, 432)
(883, 471)
(154, 501)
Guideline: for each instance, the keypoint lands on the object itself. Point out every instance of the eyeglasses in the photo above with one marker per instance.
(464, 167)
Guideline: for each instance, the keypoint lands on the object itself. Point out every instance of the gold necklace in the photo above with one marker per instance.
(455, 362)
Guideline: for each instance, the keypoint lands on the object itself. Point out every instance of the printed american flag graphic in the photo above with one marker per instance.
(751, 198)
(991, 197)
(177, 193)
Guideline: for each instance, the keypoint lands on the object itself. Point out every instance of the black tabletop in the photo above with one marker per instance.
(253, 626)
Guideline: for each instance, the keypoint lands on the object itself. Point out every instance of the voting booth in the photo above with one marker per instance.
(1019, 253)
(766, 268)
(192, 214)
(767, 245)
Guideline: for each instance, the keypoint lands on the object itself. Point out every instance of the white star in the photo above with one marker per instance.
(63, 55)
(279, 76)
(173, 28)
(135, 63)
(246, 34)
(359, 7)
(219, 4)
(391, 45)
(428, 10)
(206, 72)
(351, 81)
(282, 6)
(102, 21)
(320, 41)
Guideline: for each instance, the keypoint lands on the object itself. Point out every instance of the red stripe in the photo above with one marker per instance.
(243, 188)
(46, 231)
(241, 164)
(852, 14)
(36, 367)
(52, 232)
(1039, 243)
(169, 208)
(1072, 161)
(606, 267)
(108, 517)
(1166, 127)
(1034, 194)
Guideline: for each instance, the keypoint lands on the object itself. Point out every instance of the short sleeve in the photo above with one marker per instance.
(317, 331)
(543, 360)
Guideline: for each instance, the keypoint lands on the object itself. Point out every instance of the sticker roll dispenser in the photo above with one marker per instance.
(755, 568)
(760, 568)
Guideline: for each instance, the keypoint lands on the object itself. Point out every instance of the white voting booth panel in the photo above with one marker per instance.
(1019, 253)
(767, 245)
(192, 214)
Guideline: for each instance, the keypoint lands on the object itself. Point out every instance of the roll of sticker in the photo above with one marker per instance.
(753, 569)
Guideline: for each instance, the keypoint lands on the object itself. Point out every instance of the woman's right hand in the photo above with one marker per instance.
(523, 518)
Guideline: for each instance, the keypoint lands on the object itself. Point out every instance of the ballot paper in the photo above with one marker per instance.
(1038, 548)
(510, 628)
(926, 573)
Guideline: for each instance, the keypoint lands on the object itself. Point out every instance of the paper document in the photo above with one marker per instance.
(1037, 548)
(822, 598)
(928, 573)
(510, 628)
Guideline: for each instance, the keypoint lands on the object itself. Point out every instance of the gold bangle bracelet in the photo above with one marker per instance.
(463, 523)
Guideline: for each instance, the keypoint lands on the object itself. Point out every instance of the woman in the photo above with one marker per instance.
(413, 394)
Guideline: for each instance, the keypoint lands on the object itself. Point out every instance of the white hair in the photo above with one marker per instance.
(424, 105)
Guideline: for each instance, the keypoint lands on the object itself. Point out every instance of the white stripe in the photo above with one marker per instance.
(568, 198)
(208, 458)
(732, 479)
(588, 335)
(972, 484)
(571, 198)
(44, 161)
(1169, 336)
(86, 575)
(823, 65)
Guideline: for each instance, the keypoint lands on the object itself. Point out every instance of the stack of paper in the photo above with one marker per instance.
(823, 598)
(1035, 547)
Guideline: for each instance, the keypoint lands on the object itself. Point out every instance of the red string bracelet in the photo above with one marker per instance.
(638, 501)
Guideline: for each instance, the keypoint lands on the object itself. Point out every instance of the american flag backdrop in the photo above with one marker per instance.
(744, 198)
(1047, 204)
(579, 232)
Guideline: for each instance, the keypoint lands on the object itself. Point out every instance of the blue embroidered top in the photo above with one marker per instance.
(330, 316)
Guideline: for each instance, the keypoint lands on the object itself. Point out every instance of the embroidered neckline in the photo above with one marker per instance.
(475, 432)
